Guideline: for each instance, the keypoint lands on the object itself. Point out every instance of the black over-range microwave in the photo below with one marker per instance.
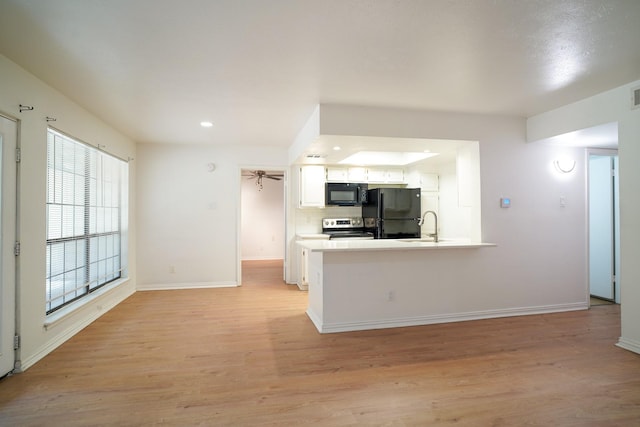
(346, 194)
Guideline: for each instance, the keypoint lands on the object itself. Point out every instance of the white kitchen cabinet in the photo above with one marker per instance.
(303, 259)
(357, 174)
(429, 182)
(385, 176)
(312, 186)
(395, 175)
(376, 175)
(343, 174)
(303, 283)
(335, 174)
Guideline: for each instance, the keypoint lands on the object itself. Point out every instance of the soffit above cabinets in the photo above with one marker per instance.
(322, 150)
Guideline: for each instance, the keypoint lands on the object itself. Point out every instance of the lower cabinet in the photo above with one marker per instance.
(303, 283)
(302, 255)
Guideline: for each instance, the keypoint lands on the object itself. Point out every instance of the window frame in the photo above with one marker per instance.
(85, 258)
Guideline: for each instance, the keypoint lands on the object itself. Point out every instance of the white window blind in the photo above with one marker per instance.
(84, 219)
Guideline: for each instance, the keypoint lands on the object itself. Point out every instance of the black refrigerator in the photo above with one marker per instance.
(392, 213)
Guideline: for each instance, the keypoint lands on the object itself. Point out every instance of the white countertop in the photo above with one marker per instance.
(344, 245)
(312, 236)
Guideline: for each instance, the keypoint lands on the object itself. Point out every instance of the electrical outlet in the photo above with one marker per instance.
(391, 296)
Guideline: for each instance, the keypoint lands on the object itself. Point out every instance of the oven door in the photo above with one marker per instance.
(349, 235)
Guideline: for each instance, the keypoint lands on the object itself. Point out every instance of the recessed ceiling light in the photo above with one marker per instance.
(206, 124)
(336, 148)
(390, 158)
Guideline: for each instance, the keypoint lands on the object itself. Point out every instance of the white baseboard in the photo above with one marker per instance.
(629, 344)
(315, 320)
(191, 285)
(77, 320)
(440, 318)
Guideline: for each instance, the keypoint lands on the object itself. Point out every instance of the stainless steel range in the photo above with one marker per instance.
(345, 228)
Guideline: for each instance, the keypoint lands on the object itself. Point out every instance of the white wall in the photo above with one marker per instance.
(188, 232)
(540, 258)
(611, 106)
(19, 87)
(262, 219)
(606, 107)
(629, 155)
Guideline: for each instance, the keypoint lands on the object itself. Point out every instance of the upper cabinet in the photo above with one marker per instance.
(429, 182)
(344, 174)
(357, 174)
(365, 175)
(312, 186)
(385, 176)
(337, 174)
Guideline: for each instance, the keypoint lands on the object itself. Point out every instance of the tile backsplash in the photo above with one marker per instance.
(310, 220)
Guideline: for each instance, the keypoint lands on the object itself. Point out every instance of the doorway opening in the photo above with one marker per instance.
(263, 217)
(604, 225)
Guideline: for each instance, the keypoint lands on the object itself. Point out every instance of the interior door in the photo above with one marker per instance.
(8, 137)
(601, 226)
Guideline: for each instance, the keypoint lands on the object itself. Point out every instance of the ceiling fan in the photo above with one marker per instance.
(259, 175)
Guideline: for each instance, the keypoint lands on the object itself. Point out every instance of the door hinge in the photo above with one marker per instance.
(16, 249)
(18, 155)
(16, 342)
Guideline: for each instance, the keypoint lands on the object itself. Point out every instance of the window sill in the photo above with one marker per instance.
(59, 315)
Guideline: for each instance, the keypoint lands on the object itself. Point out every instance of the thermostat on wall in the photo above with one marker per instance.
(505, 202)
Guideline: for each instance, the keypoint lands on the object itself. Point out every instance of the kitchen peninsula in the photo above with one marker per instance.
(384, 283)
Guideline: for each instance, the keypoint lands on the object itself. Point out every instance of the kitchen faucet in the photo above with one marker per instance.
(435, 217)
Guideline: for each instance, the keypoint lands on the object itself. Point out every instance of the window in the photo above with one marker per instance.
(86, 210)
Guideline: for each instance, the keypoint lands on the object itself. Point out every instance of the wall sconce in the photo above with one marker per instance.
(564, 165)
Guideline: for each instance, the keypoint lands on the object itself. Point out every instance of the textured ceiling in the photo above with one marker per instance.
(155, 68)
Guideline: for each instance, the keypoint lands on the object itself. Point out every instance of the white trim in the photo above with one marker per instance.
(315, 320)
(285, 255)
(86, 315)
(611, 152)
(440, 318)
(70, 309)
(192, 285)
(629, 344)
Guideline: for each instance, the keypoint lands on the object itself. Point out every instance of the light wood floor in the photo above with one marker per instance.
(249, 356)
